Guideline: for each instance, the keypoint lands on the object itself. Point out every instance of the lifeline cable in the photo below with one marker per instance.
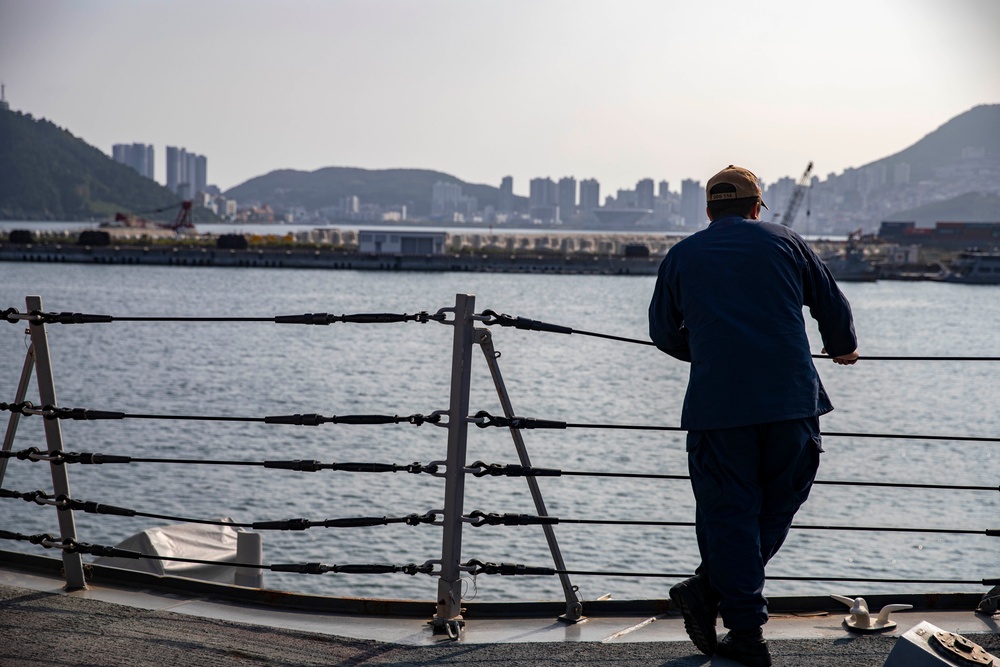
(474, 566)
(36, 317)
(478, 567)
(488, 317)
(477, 469)
(299, 465)
(484, 419)
(491, 318)
(479, 518)
(70, 545)
(61, 502)
(516, 470)
(83, 414)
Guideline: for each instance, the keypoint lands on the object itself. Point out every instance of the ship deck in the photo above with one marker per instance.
(144, 621)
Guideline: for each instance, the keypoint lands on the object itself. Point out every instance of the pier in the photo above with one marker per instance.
(328, 248)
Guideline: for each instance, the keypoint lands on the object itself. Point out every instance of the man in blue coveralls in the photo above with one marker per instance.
(729, 300)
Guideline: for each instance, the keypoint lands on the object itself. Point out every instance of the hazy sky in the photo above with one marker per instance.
(615, 90)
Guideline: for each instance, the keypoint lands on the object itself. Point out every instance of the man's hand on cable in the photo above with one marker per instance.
(848, 359)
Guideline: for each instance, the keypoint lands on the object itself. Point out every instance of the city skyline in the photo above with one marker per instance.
(617, 94)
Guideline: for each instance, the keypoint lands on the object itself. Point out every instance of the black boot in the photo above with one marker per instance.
(696, 602)
(747, 647)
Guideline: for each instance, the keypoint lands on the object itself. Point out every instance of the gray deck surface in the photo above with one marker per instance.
(113, 623)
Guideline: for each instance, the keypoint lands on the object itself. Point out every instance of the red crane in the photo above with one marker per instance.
(181, 221)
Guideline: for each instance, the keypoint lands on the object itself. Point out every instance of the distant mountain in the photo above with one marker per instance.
(328, 186)
(48, 174)
(951, 174)
(969, 137)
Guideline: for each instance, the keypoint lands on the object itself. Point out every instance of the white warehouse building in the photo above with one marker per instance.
(390, 242)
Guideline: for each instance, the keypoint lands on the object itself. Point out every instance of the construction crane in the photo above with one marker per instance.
(796, 199)
(181, 222)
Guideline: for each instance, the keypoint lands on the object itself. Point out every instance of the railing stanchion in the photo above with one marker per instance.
(448, 617)
(574, 608)
(22, 391)
(72, 562)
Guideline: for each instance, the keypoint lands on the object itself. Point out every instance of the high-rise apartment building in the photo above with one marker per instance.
(543, 192)
(543, 199)
(174, 173)
(445, 198)
(664, 192)
(137, 156)
(506, 199)
(692, 204)
(200, 173)
(566, 197)
(644, 193)
(187, 173)
(590, 195)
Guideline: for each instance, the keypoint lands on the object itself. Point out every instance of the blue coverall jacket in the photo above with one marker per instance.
(729, 300)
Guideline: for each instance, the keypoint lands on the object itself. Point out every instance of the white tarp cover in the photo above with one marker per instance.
(196, 541)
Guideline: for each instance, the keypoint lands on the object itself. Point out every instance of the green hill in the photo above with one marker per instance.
(326, 187)
(48, 174)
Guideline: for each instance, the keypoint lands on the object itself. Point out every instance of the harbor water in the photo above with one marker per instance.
(257, 369)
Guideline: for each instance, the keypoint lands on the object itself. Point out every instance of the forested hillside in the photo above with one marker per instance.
(48, 174)
(326, 187)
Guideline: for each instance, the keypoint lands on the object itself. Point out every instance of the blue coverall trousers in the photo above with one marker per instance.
(748, 483)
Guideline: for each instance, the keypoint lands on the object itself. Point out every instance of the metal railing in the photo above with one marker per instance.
(469, 332)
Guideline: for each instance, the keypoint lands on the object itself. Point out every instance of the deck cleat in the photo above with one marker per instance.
(860, 619)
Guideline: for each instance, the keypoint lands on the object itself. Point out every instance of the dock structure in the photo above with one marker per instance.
(331, 248)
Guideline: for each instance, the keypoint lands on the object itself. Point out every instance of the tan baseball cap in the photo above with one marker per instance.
(746, 183)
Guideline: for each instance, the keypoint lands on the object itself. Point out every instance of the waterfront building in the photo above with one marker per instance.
(190, 168)
(173, 167)
(777, 195)
(394, 212)
(543, 192)
(445, 198)
(625, 199)
(505, 203)
(644, 193)
(566, 197)
(200, 173)
(187, 173)
(693, 204)
(543, 200)
(400, 242)
(138, 156)
(590, 195)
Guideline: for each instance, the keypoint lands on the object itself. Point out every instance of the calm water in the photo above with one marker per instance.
(268, 369)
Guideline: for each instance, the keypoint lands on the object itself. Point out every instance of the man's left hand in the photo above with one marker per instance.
(848, 359)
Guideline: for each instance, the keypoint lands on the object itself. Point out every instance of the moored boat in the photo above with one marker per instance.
(974, 267)
(850, 265)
